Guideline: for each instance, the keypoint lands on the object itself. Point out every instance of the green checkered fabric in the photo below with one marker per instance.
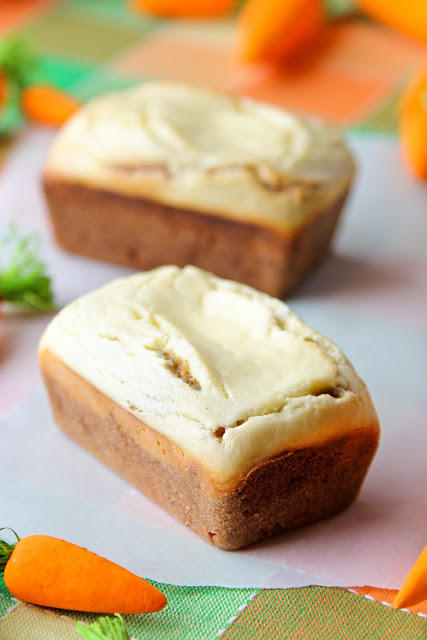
(193, 613)
(5, 598)
(81, 42)
(312, 613)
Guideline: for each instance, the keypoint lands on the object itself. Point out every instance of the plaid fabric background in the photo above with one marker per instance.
(353, 78)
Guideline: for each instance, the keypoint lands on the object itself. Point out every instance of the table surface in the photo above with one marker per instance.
(369, 296)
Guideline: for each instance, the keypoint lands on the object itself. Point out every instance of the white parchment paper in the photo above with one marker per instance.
(370, 297)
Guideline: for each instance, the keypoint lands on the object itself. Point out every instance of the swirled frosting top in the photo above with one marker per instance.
(228, 374)
(205, 150)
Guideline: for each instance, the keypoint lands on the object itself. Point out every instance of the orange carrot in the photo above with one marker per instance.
(3, 89)
(48, 105)
(413, 124)
(414, 589)
(409, 16)
(274, 30)
(417, 83)
(184, 8)
(53, 573)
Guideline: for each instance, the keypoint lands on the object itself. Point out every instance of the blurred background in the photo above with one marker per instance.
(349, 65)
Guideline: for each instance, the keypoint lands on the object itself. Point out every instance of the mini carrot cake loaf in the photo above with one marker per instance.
(167, 173)
(213, 399)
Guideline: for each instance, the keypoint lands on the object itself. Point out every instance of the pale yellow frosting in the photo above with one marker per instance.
(230, 375)
(207, 151)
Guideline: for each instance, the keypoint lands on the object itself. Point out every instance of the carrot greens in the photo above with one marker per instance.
(6, 548)
(22, 274)
(339, 8)
(104, 629)
(18, 61)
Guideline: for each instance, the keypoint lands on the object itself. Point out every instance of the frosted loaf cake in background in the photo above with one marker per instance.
(215, 400)
(170, 174)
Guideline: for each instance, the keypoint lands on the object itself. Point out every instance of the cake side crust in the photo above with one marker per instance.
(145, 234)
(294, 488)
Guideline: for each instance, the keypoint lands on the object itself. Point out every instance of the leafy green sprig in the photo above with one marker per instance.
(6, 548)
(339, 8)
(22, 274)
(104, 629)
(18, 61)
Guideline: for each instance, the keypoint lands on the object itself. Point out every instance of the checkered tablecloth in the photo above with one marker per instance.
(201, 613)
(353, 77)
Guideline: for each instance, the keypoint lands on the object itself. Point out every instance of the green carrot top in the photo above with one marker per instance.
(6, 548)
(18, 64)
(104, 629)
(18, 59)
(339, 8)
(22, 274)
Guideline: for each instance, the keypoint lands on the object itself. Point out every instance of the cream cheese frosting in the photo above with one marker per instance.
(230, 375)
(204, 150)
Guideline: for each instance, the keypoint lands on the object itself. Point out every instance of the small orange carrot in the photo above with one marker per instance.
(3, 89)
(413, 124)
(184, 8)
(275, 30)
(53, 573)
(414, 589)
(409, 16)
(48, 105)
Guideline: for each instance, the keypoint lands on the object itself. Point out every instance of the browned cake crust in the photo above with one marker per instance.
(144, 234)
(295, 488)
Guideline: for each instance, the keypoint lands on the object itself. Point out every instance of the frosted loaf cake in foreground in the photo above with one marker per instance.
(215, 400)
(166, 173)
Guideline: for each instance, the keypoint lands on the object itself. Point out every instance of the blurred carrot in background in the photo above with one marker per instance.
(21, 97)
(276, 30)
(184, 8)
(46, 104)
(409, 16)
(413, 123)
(3, 89)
